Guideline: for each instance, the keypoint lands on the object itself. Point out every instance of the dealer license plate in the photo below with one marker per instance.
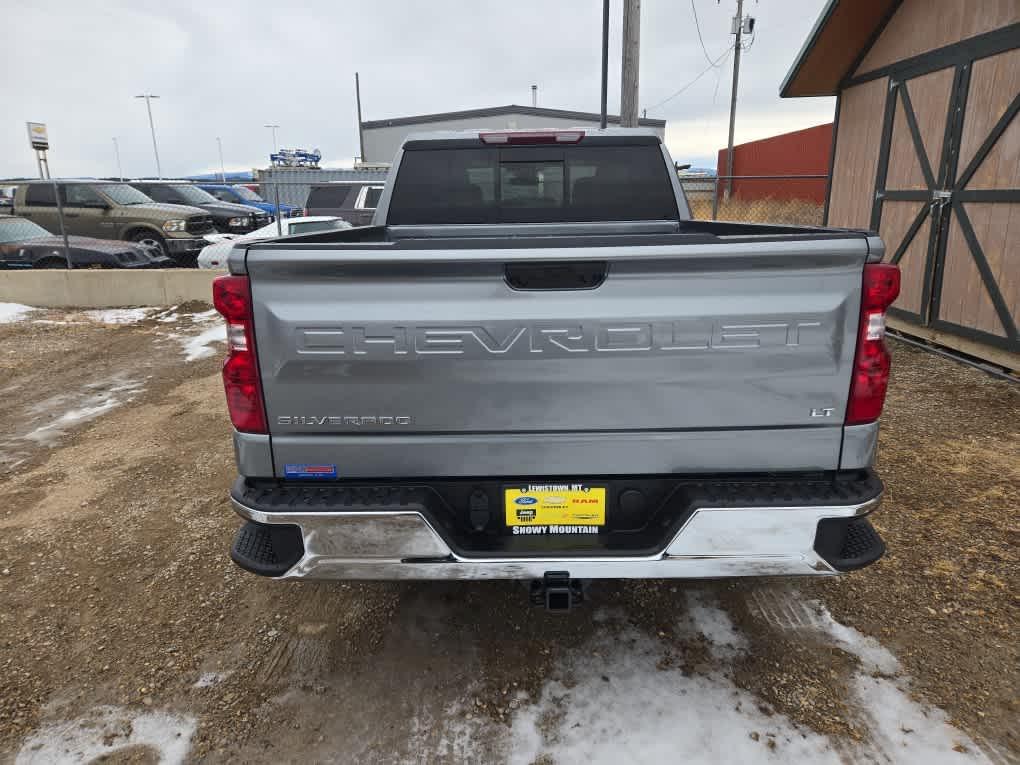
(556, 508)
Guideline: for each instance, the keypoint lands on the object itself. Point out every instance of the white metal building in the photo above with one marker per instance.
(383, 137)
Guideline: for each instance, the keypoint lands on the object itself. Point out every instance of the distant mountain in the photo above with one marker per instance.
(710, 171)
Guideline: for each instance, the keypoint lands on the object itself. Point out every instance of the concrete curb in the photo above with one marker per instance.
(95, 288)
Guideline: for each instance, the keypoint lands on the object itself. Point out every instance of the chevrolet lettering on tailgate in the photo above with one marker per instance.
(514, 340)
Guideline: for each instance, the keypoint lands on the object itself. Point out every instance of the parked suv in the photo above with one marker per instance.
(228, 218)
(354, 201)
(243, 195)
(116, 211)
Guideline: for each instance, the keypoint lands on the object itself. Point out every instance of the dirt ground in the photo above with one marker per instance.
(127, 635)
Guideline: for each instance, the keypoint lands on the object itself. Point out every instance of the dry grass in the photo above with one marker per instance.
(800, 212)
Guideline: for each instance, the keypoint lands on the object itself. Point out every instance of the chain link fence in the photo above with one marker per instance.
(791, 199)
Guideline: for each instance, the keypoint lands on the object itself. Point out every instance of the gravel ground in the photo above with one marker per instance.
(126, 634)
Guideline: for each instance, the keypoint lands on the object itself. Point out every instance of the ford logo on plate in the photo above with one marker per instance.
(525, 501)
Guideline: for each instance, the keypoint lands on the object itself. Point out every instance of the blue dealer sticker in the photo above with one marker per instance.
(309, 471)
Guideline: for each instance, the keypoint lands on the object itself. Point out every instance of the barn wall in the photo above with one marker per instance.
(801, 152)
(858, 138)
(995, 82)
(923, 25)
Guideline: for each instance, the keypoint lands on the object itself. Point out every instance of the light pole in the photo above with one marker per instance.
(223, 173)
(605, 61)
(152, 129)
(116, 151)
(274, 128)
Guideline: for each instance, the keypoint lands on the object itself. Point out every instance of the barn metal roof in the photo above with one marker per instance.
(497, 111)
(844, 32)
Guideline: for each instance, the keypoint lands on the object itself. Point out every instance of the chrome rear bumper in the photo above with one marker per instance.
(713, 542)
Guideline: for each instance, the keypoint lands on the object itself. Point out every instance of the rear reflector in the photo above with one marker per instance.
(871, 363)
(532, 137)
(232, 298)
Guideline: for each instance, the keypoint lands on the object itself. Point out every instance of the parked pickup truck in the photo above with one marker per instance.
(354, 201)
(243, 195)
(108, 210)
(228, 218)
(535, 366)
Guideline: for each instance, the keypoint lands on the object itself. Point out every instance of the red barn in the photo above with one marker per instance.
(802, 152)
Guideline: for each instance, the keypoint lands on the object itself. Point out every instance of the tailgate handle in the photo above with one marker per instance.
(573, 275)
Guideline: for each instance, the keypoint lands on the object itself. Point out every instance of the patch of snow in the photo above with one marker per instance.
(622, 708)
(67, 419)
(707, 619)
(105, 730)
(785, 609)
(873, 655)
(447, 734)
(209, 315)
(119, 315)
(12, 312)
(906, 732)
(96, 399)
(200, 346)
(209, 679)
(166, 314)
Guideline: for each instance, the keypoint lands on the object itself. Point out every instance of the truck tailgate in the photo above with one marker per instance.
(426, 362)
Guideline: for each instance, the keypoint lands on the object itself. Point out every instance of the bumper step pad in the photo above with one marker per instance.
(848, 544)
(267, 550)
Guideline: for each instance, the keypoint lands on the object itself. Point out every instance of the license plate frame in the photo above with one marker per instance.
(555, 505)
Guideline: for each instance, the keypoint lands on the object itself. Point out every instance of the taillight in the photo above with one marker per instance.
(232, 298)
(531, 137)
(871, 362)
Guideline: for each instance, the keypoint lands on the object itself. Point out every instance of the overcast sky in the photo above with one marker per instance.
(227, 68)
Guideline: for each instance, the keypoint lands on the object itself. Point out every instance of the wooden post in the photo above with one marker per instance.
(631, 51)
(733, 97)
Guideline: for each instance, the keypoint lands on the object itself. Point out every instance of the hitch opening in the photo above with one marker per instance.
(557, 591)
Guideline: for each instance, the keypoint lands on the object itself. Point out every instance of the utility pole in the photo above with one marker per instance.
(738, 28)
(116, 151)
(274, 128)
(361, 132)
(605, 61)
(152, 129)
(631, 50)
(223, 173)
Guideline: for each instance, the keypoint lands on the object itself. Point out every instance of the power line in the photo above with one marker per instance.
(712, 65)
(697, 26)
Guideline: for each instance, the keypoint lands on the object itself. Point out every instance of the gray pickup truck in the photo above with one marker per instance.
(536, 366)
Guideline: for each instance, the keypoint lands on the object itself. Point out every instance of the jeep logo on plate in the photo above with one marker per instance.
(525, 514)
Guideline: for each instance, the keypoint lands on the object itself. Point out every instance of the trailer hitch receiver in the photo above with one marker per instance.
(557, 592)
